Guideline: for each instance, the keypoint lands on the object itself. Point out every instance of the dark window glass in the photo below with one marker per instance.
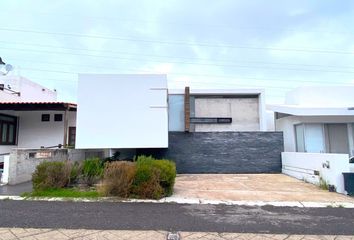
(4, 132)
(8, 127)
(72, 136)
(45, 117)
(58, 117)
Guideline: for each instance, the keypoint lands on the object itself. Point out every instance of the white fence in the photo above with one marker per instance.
(310, 167)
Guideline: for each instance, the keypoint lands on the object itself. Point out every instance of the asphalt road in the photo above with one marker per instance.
(176, 217)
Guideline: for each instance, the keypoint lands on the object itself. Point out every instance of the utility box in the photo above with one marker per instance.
(349, 182)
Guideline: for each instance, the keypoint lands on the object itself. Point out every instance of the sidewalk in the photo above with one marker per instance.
(52, 234)
(15, 190)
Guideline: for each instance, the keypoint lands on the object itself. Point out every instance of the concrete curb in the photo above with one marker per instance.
(191, 201)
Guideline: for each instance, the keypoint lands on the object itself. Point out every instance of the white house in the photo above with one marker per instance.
(317, 120)
(202, 130)
(318, 127)
(138, 111)
(31, 117)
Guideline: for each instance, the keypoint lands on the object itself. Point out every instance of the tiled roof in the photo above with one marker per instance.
(28, 106)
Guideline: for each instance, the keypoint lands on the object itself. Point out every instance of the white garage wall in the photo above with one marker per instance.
(122, 111)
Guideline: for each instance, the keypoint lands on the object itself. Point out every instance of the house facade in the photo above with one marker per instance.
(317, 120)
(31, 117)
(318, 127)
(202, 130)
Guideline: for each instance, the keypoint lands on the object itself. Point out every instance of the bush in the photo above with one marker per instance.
(92, 170)
(51, 175)
(167, 170)
(117, 179)
(75, 173)
(154, 178)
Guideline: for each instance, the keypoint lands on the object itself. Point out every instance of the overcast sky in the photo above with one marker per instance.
(276, 45)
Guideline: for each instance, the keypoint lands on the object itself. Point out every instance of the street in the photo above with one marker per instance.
(176, 217)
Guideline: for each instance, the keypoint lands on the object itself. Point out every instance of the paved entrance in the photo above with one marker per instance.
(15, 190)
(252, 187)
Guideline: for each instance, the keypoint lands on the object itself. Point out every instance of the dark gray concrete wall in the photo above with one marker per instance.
(223, 152)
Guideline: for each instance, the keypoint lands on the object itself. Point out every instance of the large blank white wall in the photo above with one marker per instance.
(122, 111)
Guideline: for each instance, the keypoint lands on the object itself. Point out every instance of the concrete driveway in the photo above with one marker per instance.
(252, 187)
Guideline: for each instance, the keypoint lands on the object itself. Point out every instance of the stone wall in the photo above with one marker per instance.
(23, 162)
(223, 152)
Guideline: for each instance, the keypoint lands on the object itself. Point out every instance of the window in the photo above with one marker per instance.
(176, 113)
(314, 138)
(8, 127)
(45, 117)
(310, 138)
(300, 139)
(72, 136)
(58, 117)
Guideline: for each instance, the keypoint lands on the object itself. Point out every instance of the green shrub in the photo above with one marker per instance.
(117, 179)
(75, 173)
(167, 176)
(153, 178)
(51, 175)
(92, 170)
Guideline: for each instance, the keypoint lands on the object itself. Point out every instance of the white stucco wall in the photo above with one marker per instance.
(329, 166)
(33, 133)
(129, 111)
(8, 97)
(29, 90)
(329, 96)
(287, 124)
(270, 121)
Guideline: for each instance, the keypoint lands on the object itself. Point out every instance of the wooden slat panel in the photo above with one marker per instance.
(187, 109)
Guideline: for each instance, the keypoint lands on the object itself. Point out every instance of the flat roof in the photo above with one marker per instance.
(225, 91)
(299, 110)
(33, 106)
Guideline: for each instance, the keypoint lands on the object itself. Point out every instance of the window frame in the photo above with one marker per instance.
(60, 115)
(72, 131)
(14, 123)
(45, 114)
